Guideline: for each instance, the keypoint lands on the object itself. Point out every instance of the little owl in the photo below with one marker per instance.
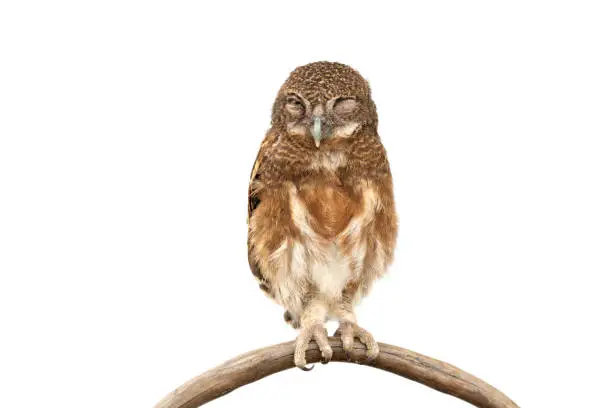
(322, 222)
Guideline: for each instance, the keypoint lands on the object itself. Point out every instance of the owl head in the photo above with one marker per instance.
(324, 101)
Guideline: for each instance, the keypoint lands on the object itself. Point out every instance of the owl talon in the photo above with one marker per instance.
(326, 354)
(348, 332)
(317, 333)
(306, 368)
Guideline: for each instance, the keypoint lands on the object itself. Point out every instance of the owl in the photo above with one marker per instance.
(322, 224)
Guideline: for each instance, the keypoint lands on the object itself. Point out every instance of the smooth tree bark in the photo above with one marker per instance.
(261, 363)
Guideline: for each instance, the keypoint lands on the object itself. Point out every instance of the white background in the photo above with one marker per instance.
(128, 130)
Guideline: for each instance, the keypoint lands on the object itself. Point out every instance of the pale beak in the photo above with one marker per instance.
(316, 131)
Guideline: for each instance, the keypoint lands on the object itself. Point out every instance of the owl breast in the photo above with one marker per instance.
(329, 206)
(323, 211)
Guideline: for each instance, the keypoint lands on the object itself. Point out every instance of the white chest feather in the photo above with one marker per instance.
(330, 272)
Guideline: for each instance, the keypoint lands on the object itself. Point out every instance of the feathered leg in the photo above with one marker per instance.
(348, 330)
(312, 321)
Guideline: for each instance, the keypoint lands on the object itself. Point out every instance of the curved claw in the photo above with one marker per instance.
(348, 331)
(319, 334)
(306, 368)
(326, 355)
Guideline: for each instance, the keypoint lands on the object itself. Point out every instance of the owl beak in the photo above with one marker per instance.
(316, 131)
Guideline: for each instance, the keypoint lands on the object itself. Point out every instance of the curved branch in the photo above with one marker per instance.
(261, 363)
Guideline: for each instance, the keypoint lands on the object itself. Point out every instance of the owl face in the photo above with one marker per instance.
(323, 101)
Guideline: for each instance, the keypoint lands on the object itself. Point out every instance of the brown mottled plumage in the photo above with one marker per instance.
(322, 222)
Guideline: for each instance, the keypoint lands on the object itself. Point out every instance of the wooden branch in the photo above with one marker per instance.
(261, 363)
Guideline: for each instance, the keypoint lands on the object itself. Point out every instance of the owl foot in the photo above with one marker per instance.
(319, 334)
(348, 331)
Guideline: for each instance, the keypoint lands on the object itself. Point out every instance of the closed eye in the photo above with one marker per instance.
(345, 106)
(294, 101)
(294, 105)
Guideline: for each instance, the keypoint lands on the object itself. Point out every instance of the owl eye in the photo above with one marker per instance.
(294, 101)
(344, 106)
(294, 106)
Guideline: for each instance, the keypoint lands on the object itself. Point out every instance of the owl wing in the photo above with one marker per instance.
(253, 197)
(255, 175)
(253, 202)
